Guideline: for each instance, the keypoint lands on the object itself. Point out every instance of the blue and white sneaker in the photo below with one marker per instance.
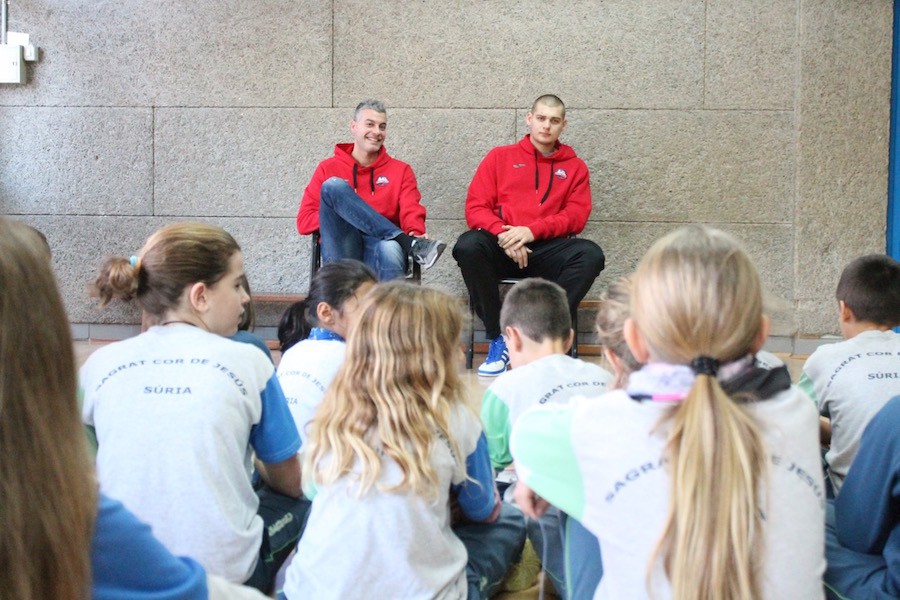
(497, 359)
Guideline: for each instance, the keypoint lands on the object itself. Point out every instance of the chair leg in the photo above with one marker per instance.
(470, 347)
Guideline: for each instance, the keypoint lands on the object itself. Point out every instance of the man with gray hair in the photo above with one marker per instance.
(366, 204)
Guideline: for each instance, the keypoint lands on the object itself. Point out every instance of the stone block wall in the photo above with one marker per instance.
(769, 118)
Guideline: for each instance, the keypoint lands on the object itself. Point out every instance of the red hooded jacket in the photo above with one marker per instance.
(388, 185)
(517, 185)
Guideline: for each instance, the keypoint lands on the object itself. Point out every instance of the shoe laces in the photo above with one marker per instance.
(497, 349)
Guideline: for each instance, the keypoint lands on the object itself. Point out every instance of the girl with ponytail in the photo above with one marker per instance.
(313, 333)
(701, 477)
(181, 413)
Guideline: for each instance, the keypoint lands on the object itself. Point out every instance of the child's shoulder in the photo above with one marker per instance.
(113, 352)
(465, 426)
(314, 350)
(866, 345)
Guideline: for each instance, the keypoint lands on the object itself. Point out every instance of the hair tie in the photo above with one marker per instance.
(705, 365)
(135, 262)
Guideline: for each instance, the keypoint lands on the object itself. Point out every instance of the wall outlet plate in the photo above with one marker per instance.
(12, 64)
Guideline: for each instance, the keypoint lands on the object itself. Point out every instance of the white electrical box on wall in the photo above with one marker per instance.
(12, 63)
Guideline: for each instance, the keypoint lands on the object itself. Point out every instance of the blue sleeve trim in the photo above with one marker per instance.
(476, 498)
(128, 563)
(275, 437)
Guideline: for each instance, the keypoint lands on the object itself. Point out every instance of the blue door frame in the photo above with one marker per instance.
(893, 206)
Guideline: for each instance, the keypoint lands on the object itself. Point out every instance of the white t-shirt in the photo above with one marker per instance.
(391, 545)
(851, 381)
(178, 413)
(305, 372)
(596, 459)
(555, 378)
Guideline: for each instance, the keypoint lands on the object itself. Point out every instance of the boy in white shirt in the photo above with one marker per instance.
(537, 326)
(850, 381)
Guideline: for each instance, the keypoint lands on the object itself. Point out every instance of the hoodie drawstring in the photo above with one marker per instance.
(371, 177)
(537, 177)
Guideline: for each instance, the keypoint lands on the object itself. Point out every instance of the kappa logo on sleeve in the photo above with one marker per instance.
(382, 181)
(561, 174)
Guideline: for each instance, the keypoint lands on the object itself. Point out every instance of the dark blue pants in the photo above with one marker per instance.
(283, 521)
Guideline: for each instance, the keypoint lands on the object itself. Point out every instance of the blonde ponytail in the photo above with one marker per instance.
(697, 300)
(711, 543)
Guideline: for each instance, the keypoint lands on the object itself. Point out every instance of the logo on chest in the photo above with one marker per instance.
(560, 174)
(382, 181)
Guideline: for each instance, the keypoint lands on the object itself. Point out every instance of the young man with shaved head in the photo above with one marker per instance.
(524, 206)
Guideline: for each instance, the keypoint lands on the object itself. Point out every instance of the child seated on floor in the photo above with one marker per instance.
(60, 537)
(584, 566)
(537, 328)
(392, 441)
(851, 380)
(321, 322)
(180, 410)
(700, 478)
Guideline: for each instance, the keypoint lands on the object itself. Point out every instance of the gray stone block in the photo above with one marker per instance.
(114, 332)
(79, 245)
(276, 257)
(241, 161)
(463, 55)
(76, 161)
(780, 344)
(686, 166)
(806, 346)
(81, 332)
(842, 148)
(770, 246)
(751, 54)
(444, 147)
(168, 53)
(818, 317)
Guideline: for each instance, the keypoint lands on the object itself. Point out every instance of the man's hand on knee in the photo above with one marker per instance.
(519, 255)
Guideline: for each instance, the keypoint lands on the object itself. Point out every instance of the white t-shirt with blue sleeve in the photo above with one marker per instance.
(178, 413)
(305, 372)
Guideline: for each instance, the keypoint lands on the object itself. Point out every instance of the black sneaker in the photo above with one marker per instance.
(426, 252)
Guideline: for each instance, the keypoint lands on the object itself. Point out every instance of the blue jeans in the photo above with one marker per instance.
(851, 574)
(546, 537)
(350, 228)
(493, 548)
(584, 569)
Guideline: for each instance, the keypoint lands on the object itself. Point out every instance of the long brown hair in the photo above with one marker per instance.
(395, 391)
(48, 497)
(697, 293)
